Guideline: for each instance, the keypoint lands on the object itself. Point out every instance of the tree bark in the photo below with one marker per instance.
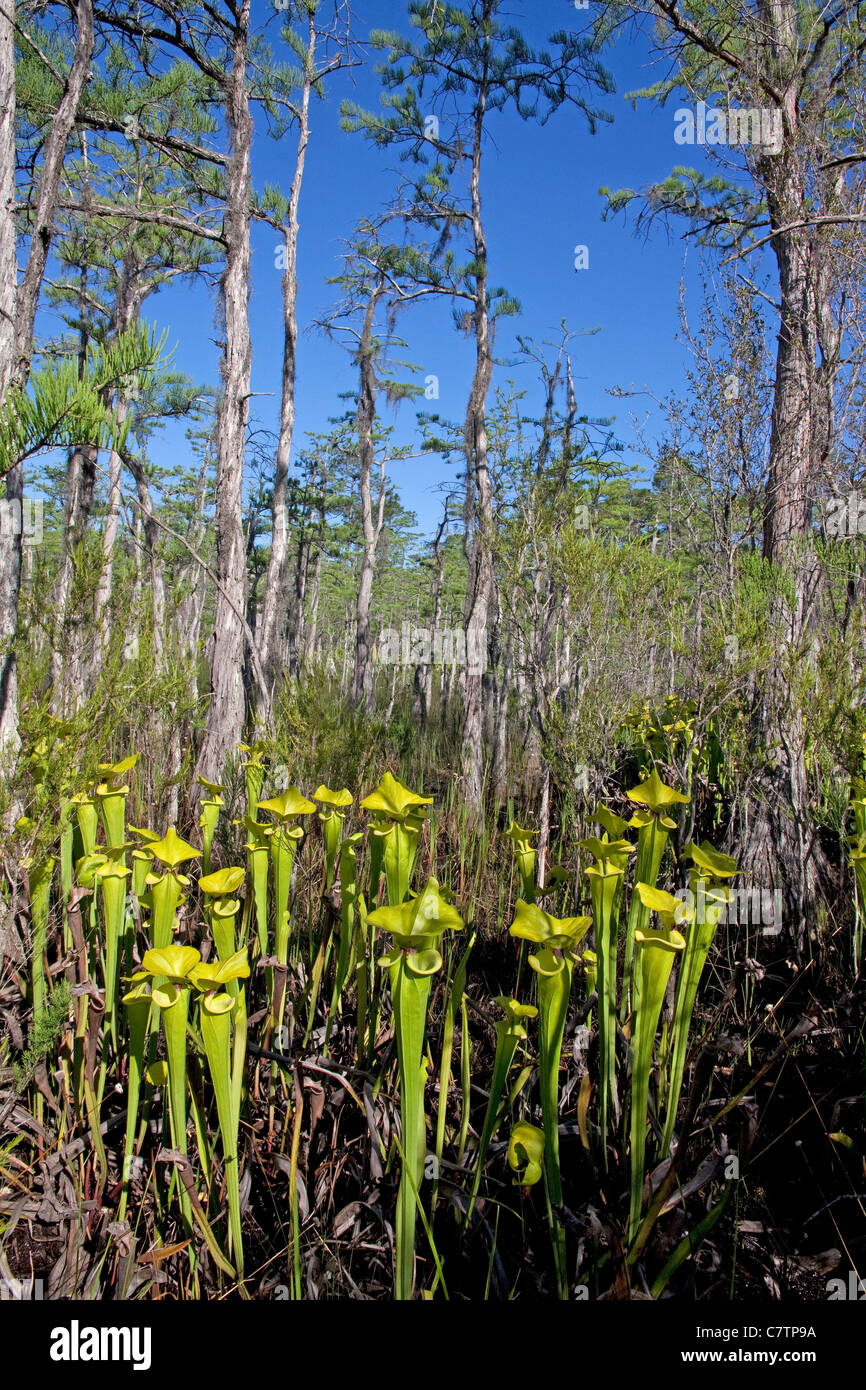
(363, 689)
(67, 664)
(104, 588)
(422, 702)
(127, 307)
(150, 528)
(275, 599)
(480, 579)
(781, 849)
(225, 719)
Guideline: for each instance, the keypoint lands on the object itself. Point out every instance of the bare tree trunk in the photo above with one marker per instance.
(480, 578)
(315, 595)
(11, 544)
(275, 599)
(49, 187)
(126, 311)
(192, 604)
(157, 583)
(131, 644)
(347, 645)
(102, 600)
(297, 612)
(423, 684)
(544, 826)
(500, 737)
(781, 850)
(363, 687)
(67, 673)
(225, 720)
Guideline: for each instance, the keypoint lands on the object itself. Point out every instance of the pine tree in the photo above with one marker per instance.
(440, 91)
(788, 80)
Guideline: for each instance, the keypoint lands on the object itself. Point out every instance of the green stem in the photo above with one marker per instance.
(656, 959)
(553, 995)
(699, 938)
(410, 994)
(39, 881)
(605, 886)
(137, 1012)
(174, 1020)
(216, 1032)
(455, 999)
(651, 841)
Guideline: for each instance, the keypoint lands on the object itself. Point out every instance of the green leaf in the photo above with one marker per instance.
(222, 882)
(172, 850)
(655, 794)
(711, 860)
(531, 923)
(392, 799)
(526, 1153)
(291, 802)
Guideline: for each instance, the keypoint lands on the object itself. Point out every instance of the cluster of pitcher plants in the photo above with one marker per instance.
(164, 949)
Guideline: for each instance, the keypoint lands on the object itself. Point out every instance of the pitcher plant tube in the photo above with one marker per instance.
(559, 940)
(415, 928)
(524, 854)
(698, 921)
(510, 1032)
(332, 816)
(284, 838)
(605, 886)
(211, 806)
(653, 824)
(398, 815)
(655, 952)
(166, 889)
(219, 1008)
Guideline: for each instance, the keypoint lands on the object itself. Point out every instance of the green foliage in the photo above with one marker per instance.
(47, 1028)
(64, 405)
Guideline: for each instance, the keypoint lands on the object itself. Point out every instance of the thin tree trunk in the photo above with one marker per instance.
(363, 687)
(348, 644)
(480, 579)
(126, 311)
(315, 595)
(157, 582)
(131, 644)
(423, 696)
(275, 599)
(192, 604)
(500, 738)
(67, 675)
(544, 826)
(225, 719)
(297, 611)
(102, 601)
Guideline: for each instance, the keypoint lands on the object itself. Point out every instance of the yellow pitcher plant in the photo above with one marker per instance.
(558, 940)
(653, 824)
(698, 921)
(655, 952)
(398, 815)
(415, 928)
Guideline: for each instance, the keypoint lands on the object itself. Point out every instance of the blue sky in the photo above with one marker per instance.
(541, 200)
